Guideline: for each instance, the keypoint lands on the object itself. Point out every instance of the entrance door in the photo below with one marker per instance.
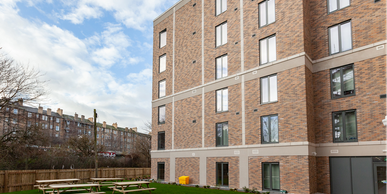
(362, 175)
(222, 173)
(379, 176)
(160, 171)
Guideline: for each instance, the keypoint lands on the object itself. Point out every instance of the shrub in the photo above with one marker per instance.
(197, 186)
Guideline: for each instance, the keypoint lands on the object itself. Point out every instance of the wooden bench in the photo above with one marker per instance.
(71, 190)
(134, 190)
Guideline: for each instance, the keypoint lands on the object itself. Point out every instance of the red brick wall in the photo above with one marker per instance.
(167, 127)
(370, 83)
(310, 105)
(294, 172)
(291, 107)
(157, 52)
(188, 46)
(323, 174)
(233, 35)
(187, 133)
(288, 28)
(368, 24)
(234, 121)
(233, 170)
(154, 168)
(312, 174)
(188, 167)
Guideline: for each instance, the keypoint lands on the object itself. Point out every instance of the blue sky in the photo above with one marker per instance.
(92, 53)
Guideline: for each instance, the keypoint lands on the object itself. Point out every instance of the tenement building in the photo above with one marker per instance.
(271, 94)
(60, 127)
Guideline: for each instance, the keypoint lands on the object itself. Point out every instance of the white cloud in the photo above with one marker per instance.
(132, 13)
(75, 83)
(144, 75)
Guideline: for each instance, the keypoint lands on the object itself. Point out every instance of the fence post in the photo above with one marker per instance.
(5, 182)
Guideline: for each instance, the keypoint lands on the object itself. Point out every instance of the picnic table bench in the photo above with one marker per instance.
(138, 184)
(104, 181)
(43, 185)
(69, 187)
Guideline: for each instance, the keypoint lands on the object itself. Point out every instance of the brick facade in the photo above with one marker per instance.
(188, 167)
(304, 106)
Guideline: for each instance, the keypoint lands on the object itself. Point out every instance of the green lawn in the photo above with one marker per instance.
(161, 188)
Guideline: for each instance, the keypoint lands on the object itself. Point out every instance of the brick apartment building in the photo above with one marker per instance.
(60, 127)
(271, 94)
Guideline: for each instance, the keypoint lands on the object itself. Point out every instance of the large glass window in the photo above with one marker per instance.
(334, 5)
(162, 63)
(161, 140)
(269, 126)
(340, 38)
(222, 173)
(163, 38)
(221, 34)
(268, 50)
(342, 81)
(222, 100)
(161, 114)
(344, 126)
(266, 12)
(162, 85)
(221, 6)
(221, 67)
(15, 111)
(222, 134)
(160, 171)
(271, 176)
(269, 89)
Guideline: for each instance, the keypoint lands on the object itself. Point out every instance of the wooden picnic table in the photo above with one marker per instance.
(137, 184)
(104, 181)
(68, 188)
(43, 184)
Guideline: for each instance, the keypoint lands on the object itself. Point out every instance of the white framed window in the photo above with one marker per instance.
(334, 5)
(29, 115)
(162, 86)
(221, 34)
(163, 38)
(221, 6)
(221, 66)
(268, 50)
(15, 111)
(6, 119)
(56, 135)
(266, 12)
(14, 120)
(57, 120)
(269, 89)
(37, 115)
(162, 63)
(46, 126)
(28, 123)
(162, 114)
(340, 38)
(56, 128)
(115, 132)
(50, 126)
(222, 100)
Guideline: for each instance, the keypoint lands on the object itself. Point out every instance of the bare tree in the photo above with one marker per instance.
(22, 147)
(17, 81)
(83, 146)
(142, 146)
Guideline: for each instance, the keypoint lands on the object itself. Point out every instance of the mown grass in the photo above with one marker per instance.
(161, 189)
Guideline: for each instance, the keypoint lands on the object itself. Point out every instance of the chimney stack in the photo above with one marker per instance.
(134, 129)
(20, 101)
(40, 110)
(59, 111)
(104, 124)
(76, 116)
(49, 111)
(82, 118)
(91, 119)
(126, 129)
(115, 125)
